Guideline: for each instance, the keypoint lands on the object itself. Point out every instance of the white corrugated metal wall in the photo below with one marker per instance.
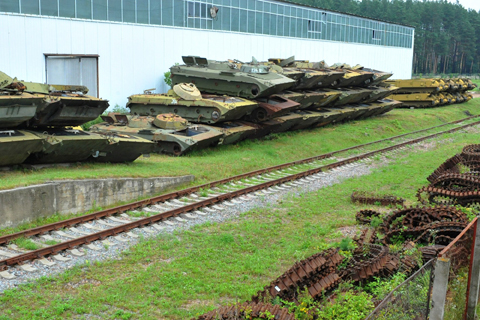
(134, 57)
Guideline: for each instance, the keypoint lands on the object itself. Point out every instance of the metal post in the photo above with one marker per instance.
(440, 283)
(473, 275)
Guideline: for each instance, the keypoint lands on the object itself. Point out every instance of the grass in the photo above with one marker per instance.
(180, 275)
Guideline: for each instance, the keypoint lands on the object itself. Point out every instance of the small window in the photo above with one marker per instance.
(314, 26)
(376, 35)
(197, 10)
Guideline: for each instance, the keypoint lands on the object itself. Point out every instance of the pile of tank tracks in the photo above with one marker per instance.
(424, 231)
(456, 181)
(225, 102)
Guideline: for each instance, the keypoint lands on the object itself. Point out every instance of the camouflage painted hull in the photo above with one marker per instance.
(17, 145)
(63, 145)
(17, 109)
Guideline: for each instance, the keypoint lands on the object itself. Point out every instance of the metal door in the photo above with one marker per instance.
(73, 70)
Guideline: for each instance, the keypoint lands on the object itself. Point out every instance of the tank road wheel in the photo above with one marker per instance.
(172, 148)
(259, 115)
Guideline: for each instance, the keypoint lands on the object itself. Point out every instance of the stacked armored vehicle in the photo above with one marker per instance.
(223, 102)
(425, 93)
(36, 123)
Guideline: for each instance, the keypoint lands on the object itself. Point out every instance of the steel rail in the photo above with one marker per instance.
(184, 192)
(39, 253)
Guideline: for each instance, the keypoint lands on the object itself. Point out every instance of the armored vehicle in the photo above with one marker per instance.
(172, 134)
(310, 99)
(379, 93)
(378, 76)
(421, 100)
(17, 145)
(186, 101)
(353, 78)
(309, 118)
(17, 108)
(247, 81)
(55, 105)
(65, 145)
(271, 107)
(416, 85)
(317, 75)
(235, 131)
(350, 95)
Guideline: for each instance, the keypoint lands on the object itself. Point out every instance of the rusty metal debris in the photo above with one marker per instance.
(248, 310)
(368, 260)
(456, 181)
(367, 198)
(317, 273)
(438, 225)
(366, 216)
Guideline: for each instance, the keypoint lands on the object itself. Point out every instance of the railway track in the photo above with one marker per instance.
(178, 206)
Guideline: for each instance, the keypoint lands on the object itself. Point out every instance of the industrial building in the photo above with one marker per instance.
(122, 47)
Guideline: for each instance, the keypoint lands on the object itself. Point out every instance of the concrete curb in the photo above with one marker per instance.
(25, 204)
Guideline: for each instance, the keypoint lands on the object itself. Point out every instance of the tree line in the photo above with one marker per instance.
(447, 36)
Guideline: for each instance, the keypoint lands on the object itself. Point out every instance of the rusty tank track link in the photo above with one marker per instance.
(302, 274)
(417, 216)
(450, 165)
(248, 310)
(471, 152)
(367, 236)
(367, 261)
(365, 216)
(457, 182)
(431, 252)
(440, 232)
(453, 164)
(69, 244)
(365, 198)
(439, 196)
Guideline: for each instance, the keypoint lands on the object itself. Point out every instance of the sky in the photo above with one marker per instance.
(468, 4)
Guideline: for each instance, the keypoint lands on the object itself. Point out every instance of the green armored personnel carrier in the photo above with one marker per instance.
(247, 81)
(186, 101)
(171, 133)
